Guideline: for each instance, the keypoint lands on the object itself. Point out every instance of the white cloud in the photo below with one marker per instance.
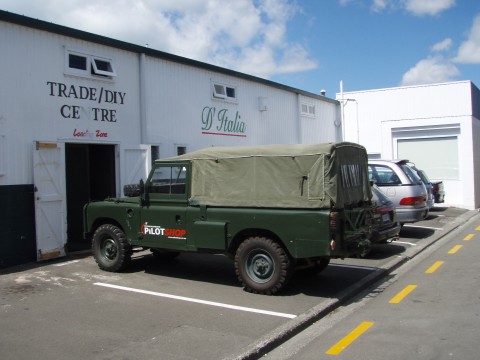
(428, 7)
(469, 51)
(244, 35)
(442, 45)
(416, 7)
(379, 5)
(434, 69)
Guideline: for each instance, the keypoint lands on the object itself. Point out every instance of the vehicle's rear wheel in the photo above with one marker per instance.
(262, 265)
(111, 250)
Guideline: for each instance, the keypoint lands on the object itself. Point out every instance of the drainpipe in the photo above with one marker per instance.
(342, 111)
(143, 101)
(299, 121)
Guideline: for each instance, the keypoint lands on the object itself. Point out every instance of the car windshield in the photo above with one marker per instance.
(414, 178)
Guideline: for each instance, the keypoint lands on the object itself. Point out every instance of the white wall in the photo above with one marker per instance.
(179, 97)
(379, 118)
(33, 107)
(32, 72)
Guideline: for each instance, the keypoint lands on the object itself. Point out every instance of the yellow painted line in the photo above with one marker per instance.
(477, 228)
(401, 295)
(434, 267)
(347, 340)
(469, 236)
(455, 249)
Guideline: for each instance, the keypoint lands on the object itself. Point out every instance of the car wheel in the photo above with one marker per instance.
(111, 250)
(262, 265)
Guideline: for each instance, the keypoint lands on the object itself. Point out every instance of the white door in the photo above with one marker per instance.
(136, 164)
(50, 209)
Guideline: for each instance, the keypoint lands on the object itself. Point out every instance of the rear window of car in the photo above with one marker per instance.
(423, 176)
(383, 175)
(412, 176)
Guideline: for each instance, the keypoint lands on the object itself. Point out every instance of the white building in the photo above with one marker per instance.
(436, 126)
(81, 115)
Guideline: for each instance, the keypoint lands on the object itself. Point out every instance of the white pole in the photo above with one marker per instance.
(342, 115)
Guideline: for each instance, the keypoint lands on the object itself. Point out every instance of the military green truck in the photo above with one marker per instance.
(272, 209)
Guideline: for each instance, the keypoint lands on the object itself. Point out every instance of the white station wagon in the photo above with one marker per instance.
(402, 186)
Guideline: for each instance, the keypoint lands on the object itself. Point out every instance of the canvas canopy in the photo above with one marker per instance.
(279, 176)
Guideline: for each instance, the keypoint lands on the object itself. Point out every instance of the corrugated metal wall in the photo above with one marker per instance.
(179, 96)
(32, 106)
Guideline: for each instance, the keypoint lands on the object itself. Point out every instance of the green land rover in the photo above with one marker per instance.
(272, 209)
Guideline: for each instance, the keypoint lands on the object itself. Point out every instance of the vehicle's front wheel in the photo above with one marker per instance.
(262, 265)
(111, 250)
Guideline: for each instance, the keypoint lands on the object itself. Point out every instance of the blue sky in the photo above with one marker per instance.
(307, 44)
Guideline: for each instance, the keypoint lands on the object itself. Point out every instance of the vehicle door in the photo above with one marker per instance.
(163, 222)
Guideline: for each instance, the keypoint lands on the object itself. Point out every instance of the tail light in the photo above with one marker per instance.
(383, 210)
(333, 221)
(414, 200)
(333, 229)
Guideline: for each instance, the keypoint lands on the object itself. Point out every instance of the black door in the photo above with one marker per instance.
(90, 175)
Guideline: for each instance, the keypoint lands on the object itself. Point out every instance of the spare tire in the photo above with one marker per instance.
(132, 190)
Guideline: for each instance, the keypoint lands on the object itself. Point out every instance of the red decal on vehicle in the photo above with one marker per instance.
(161, 231)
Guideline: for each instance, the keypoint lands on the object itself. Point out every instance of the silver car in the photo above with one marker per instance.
(428, 184)
(402, 186)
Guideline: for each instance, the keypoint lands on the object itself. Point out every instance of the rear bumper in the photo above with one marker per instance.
(409, 215)
(439, 197)
(383, 234)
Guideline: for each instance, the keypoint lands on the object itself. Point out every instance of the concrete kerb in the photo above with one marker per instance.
(286, 331)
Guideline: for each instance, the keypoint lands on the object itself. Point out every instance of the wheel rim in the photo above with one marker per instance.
(260, 266)
(109, 249)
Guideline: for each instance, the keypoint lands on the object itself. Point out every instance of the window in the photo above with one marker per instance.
(77, 62)
(221, 91)
(169, 180)
(88, 65)
(102, 67)
(383, 175)
(352, 175)
(181, 150)
(308, 109)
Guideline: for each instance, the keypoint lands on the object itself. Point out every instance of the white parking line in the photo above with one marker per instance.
(422, 227)
(348, 266)
(198, 301)
(67, 263)
(406, 243)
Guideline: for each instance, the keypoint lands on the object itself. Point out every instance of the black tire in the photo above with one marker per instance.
(111, 250)
(262, 266)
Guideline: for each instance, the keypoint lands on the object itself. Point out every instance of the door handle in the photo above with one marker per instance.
(178, 219)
